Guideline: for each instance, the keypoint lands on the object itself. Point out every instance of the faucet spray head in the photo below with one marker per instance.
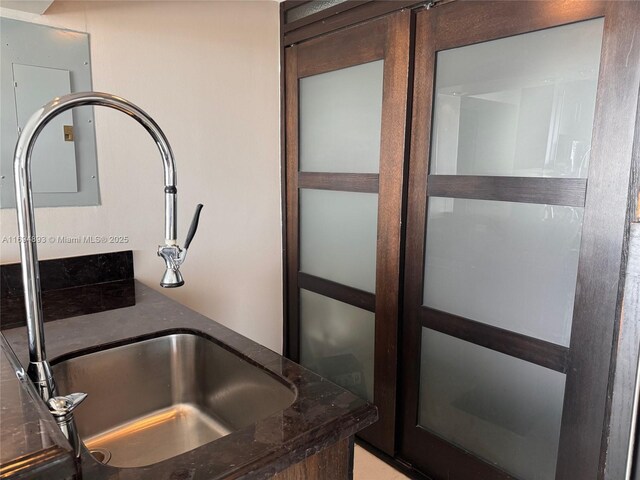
(174, 256)
(172, 278)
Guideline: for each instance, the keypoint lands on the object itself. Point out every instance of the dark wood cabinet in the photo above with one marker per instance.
(601, 195)
(385, 40)
(507, 180)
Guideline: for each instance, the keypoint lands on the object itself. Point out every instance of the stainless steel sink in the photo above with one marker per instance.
(158, 398)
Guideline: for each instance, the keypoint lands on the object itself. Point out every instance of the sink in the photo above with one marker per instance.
(160, 397)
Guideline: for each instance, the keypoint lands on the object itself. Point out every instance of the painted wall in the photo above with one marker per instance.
(208, 72)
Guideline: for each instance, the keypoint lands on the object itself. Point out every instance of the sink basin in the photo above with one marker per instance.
(164, 396)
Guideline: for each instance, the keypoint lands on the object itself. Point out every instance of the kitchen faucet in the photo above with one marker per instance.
(39, 370)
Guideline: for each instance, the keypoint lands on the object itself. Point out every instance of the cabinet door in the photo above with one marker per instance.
(346, 112)
(522, 135)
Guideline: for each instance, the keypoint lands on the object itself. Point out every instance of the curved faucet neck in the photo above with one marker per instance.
(39, 370)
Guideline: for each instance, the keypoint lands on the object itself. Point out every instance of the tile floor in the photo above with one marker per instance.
(369, 467)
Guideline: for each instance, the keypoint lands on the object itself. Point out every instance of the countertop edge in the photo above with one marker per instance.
(355, 414)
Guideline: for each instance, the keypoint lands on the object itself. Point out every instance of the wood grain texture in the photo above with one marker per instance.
(548, 191)
(599, 286)
(292, 336)
(393, 149)
(346, 182)
(352, 296)
(362, 13)
(385, 38)
(626, 372)
(598, 289)
(352, 46)
(444, 459)
(621, 391)
(546, 354)
(413, 441)
(333, 463)
(455, 462)
(466, 22)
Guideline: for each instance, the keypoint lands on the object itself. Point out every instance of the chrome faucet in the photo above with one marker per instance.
(174, 256)
(39, 370)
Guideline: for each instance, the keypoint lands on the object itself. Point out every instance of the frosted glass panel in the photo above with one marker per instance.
(511, 265)
(340, 120)
(501, 408)
(338, 233)
(337, 342)
(520, 106)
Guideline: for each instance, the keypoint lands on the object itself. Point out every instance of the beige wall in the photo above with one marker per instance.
(208, 72)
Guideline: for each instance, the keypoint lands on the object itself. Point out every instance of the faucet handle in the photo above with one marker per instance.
(62, 410)
(173, 255)
(194, 226)
(61, 407)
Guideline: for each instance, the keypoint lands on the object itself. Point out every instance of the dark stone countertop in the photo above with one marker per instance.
(32, 446)
(322, 413)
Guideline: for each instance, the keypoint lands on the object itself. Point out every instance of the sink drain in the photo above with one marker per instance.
(101, 455)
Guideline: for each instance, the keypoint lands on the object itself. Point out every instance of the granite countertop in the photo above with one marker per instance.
(322, 413)
(32, 444)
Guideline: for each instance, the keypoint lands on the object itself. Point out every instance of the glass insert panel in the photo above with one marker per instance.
(520, 106)
(340, 120)
(502, 409)
(510, 265)
(337, 342)
(338, 232)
